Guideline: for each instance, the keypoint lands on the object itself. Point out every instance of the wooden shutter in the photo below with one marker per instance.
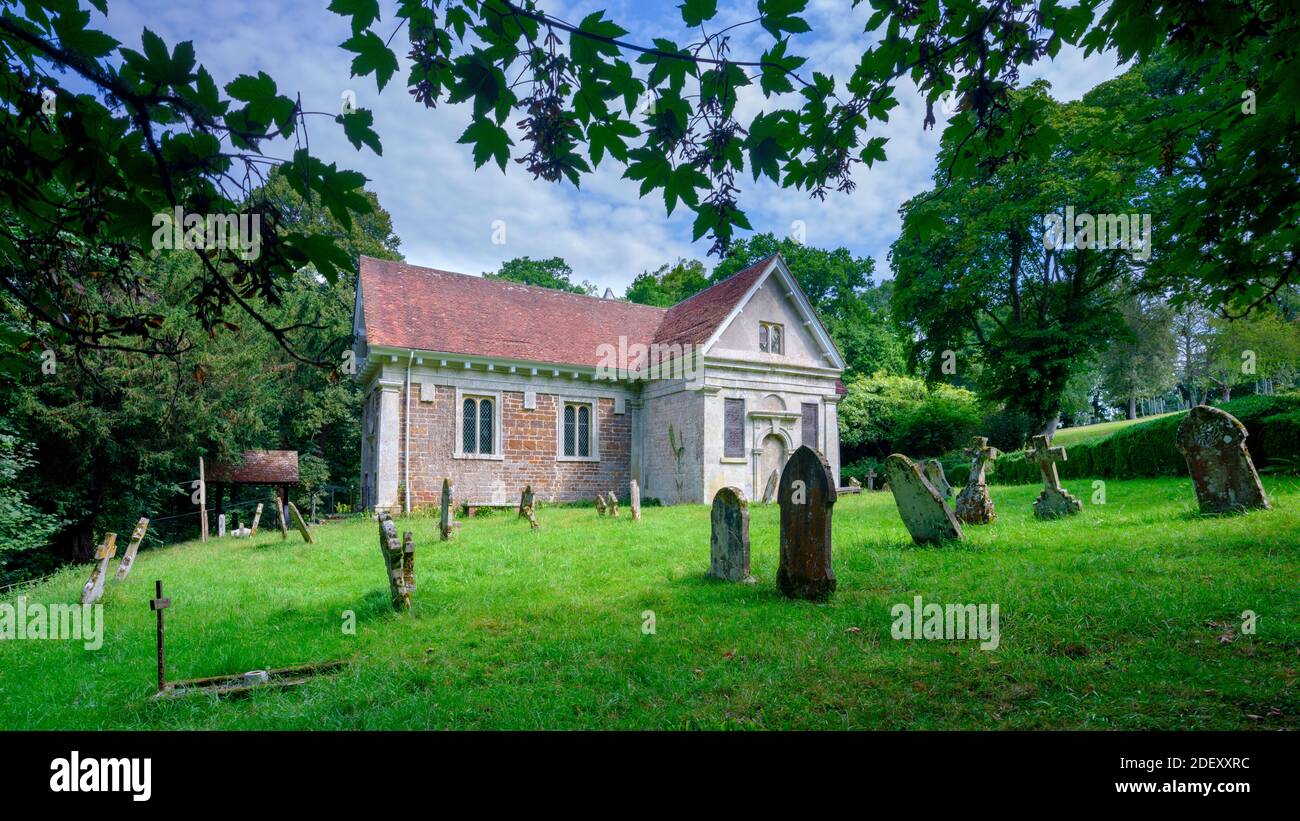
(734, 428)
(810, 425)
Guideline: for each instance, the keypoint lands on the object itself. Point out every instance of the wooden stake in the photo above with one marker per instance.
(158, 605)
(128, 558)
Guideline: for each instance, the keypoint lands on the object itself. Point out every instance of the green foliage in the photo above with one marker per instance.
(23, 527)
(885, 414)
(546, 273)
(668, 285)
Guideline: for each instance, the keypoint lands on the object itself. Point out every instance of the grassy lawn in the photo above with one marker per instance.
(1086, 433)
(1127, 616)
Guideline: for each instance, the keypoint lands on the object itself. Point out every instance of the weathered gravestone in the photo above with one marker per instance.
(444, 512)
(1213, 442)
(600, 505)
(613, 504)
(634, 500)
(531, 516)
(399, 560)
(1055, 501)
(807, 498)
(128, 558)
(525, 500)
(920, 505)
(729, 541)
(853, 482)
(221, 525)
(773, 484)
(99, 573)
(871, 479)
(934, 473)
(301, 525)
(257, 518)
(974, 505)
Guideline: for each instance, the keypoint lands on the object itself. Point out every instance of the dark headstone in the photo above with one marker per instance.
(807, 498)
(1214, 444)
(729, 542)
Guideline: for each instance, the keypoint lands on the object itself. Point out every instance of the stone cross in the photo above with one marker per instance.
(399, 563)
(634, 502)
(613, 505)
(1054, 501)
(974, 505)
(158, 605)
(729, 539)
(934, 473)
(1213, 442)
(773, 482)
(257, 518)
(94, 587)
(525, 500)
(600, 505)
(444, 514)
(807, 498)
(921, 506)
(128, 558)
(301, 525)
(871, 479)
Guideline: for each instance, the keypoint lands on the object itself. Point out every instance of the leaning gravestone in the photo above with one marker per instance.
(444, 512)
(99, 574)
(283, 516)
(934, 473)
(525, 500)
(301, 525)
(773, 483)
(399, 560)
(634, 502)
(974, 505)
(613, 504)
(807, 499)
(1213, 442)
(1055, 501)
(128, 558)
(600, 505)
(923, 509)
(853, 482)
(729, 541)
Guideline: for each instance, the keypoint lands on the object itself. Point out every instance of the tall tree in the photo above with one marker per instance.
(545, 273)
(1139, 364)
(668, 284)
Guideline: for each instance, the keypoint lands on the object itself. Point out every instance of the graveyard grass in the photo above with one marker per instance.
(1127, 616)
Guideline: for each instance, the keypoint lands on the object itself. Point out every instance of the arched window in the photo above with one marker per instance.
(477, 426)
(577, 430)
(584, 430)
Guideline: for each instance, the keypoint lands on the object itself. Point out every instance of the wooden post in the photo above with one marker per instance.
(282, 515)
(257, 517)
(221, 525)
(158, 605)
(128, 558)
(203, 503)
(95, 586)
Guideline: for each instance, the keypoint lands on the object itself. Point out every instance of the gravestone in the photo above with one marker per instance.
(920, 505)
(221, 525)
(613, 505)
(531, 516)
(729, 540)
(525, 500)
(257, 518)
(871, 479)
(807, 498)
(128, 558)
(974, 505)
(399, 561)
(773, 483)
(934, 473)
(301, 525)
(94, 587)
(444, 512)
(634, 500)
(1055, 501)
(1213, 442)
(853, 482)
(600, 505)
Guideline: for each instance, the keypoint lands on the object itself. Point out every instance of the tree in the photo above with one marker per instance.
(1140, 363)
(1262, 346)
(668, 284)
(23, 527)
(546, 273)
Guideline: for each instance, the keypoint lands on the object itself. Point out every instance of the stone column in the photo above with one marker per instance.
(832, 434)
(388, 445)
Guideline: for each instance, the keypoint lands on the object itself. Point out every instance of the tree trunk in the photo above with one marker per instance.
(1132, 407)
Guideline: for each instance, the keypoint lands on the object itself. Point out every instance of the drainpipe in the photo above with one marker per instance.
(406, 434)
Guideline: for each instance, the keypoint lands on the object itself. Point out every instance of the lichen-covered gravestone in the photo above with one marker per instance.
(613, 504)
(444, 513)
(301, 524)
(729, 542)
(634, 501)
(920, 505)
(128, 558)
(773, 483)
(399, 560)
(807, 498)
(525, 501)
(1055, 501)
(974, 505)
(99, 574)
(600, 505)
(853, 482)
(1214, 444)
(934, 473)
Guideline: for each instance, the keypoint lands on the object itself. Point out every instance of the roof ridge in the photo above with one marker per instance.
(729, 277)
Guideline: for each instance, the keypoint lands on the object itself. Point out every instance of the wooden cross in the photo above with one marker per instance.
(1047, 456)
(158, 605)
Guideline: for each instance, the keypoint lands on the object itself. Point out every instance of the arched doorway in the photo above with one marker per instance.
(772, 458)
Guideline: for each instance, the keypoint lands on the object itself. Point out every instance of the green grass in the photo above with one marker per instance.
(1087, 433)
(1127, 616)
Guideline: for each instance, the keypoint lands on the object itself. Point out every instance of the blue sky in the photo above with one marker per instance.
(445, 211)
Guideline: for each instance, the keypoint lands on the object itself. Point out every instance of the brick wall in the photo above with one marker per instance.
(528, 443)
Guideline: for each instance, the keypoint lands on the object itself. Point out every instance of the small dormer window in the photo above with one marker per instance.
(771, 337)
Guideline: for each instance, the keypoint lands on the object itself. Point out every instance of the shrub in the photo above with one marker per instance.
(901, 414)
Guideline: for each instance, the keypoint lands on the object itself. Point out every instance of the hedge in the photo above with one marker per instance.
(1147, 449)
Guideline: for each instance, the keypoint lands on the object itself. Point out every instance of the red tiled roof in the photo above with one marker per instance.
(693, 320)
(261, 467)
